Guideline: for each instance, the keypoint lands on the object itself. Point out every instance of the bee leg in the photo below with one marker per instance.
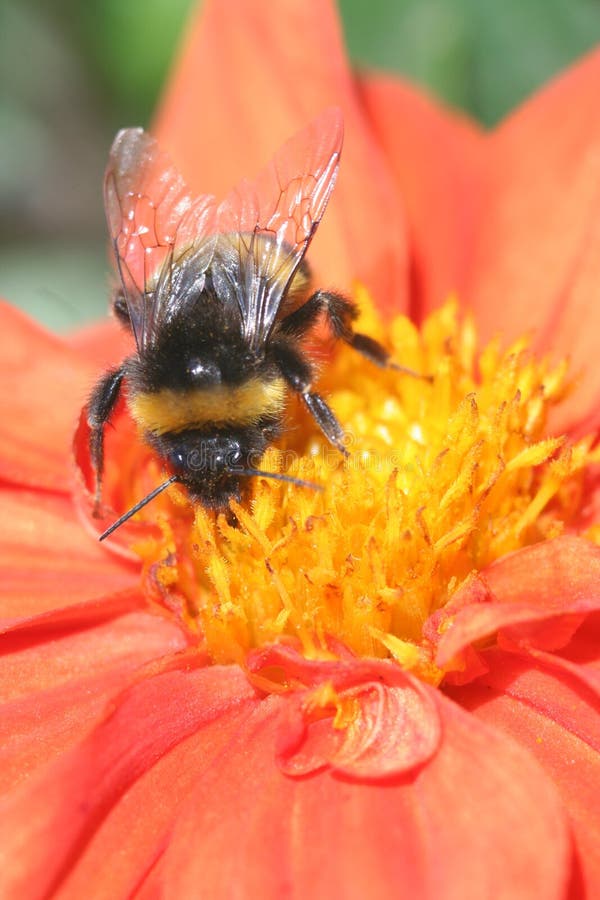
(326, 420)
(339, 310)
(298, 374)
(340, 313)
(100, 406)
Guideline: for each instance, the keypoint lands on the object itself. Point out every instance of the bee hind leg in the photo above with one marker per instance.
(100, 407)
(340, 312)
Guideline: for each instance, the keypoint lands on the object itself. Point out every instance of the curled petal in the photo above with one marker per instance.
(537, 595)
(282, 665)
(366, 718)
(394, 730)
(520, 623)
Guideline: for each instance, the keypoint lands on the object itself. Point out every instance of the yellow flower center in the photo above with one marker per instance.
(443, 477)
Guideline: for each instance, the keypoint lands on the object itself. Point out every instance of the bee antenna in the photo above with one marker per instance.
(131, 512)
(277, 476)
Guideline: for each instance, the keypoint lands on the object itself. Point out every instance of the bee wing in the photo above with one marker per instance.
(286, 203)
(163, 238)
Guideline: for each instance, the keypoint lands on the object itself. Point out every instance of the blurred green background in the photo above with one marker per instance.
(72, 73)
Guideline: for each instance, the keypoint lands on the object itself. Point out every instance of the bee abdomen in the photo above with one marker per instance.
(171, 410)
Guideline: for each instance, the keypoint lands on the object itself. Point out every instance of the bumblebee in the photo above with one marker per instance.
(219, 300)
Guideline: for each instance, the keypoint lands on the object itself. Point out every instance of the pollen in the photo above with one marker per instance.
(444, 475)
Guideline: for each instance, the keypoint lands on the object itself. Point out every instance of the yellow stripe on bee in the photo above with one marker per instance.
(244, 404)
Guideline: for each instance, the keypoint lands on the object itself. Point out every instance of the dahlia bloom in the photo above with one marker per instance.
(387, 689)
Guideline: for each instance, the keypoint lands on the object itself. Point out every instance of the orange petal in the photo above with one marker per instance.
(46, 823)
(436, 158)
(103, 344)
(583, 651)
(537, 262)
(454, 830)
(557, 721)
(56, 682)
(558, 575)
(243, 85)
(555, 583)
(140, 823)
(44, 386)
(47, 560)
(122, 455)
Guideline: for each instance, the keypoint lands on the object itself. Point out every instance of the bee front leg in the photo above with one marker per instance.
(325, 418)
(100, 407)
(298, 374)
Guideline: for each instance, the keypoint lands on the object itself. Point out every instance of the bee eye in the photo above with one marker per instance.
(234, 455)
(178, 459)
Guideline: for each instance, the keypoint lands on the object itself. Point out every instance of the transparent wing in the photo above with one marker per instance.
(284, 204)
(163, 238)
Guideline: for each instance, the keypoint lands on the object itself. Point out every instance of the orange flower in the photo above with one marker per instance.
(422, 721)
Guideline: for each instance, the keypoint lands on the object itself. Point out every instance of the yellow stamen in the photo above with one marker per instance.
(443, 478)
(324, 700)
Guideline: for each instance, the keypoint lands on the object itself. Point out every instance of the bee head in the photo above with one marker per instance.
(209, 465)
(209, 456)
